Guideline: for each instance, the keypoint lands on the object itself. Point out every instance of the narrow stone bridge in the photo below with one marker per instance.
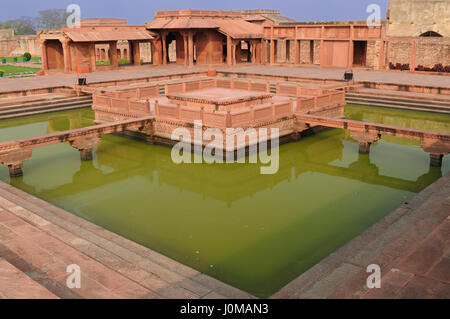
(15, 153)
(435, 143)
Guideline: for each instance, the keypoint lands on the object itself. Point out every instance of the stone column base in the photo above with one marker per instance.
(15, 170)
(86, 154)
(436, 160)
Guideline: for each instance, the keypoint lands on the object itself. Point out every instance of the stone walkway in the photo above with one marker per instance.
(338, 74)
(411, 245)
(59, 80)
(38, 241)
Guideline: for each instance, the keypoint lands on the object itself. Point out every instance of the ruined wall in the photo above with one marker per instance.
(373, 54)
(431, 51)
(411, 18)
(400, 52)
(17, 45)
(316, 52)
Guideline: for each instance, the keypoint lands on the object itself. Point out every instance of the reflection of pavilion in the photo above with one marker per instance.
(233, 181)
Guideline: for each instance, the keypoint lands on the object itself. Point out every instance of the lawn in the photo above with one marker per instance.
(17, 70)
(20, 59)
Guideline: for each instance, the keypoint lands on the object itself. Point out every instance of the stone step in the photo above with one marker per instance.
(15, 284)
(51, 102)
(393, 99)
(424, 107)
(44, 110)
(154, 271)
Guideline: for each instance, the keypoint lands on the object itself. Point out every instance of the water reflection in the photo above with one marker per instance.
(254, 231)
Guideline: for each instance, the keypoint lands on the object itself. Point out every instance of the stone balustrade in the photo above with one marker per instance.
(437, 144)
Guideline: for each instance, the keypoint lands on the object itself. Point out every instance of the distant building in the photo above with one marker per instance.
(17, 45)
(416, 32)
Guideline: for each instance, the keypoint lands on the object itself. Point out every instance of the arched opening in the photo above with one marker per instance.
(55, 55)
(175, 48)
(430, 34)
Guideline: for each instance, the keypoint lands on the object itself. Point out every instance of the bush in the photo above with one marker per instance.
(1, 73)
(124, 61)
(15, 59)
(3, 60)
(27, 56)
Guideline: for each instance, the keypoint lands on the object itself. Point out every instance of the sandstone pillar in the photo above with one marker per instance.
(191, 49)
(66, 55)
(85, 145)
(44, 58)
(272, 51)
(136, 53)
(186, 49)
(92, 57)
(14, 159)
(114, 59)
(229, 51)
(164, 48)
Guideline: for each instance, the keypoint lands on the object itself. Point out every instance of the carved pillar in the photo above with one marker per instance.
(85, 145)
(164, 48)
(136, 52)
(114, 59)
(272, 51)
(191, 48)
(186, 49)
(365, 140)
(14, 159)
(229, 51)
(92, 56)
(66, 55)
(44, 58)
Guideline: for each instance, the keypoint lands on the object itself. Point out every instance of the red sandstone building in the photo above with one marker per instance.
(190, 37)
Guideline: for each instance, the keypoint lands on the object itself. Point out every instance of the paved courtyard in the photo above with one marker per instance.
(58, 80)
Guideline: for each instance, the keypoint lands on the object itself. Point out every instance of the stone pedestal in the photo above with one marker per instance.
(15, 170)
(365, 140)
(14, 159)
(364, 148)
(436, 160)
(86, 154)
(85, 145)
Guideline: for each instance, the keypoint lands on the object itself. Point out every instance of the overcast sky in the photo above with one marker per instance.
(140, 11)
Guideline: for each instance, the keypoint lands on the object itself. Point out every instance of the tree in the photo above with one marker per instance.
(51, 19)
(23, 25)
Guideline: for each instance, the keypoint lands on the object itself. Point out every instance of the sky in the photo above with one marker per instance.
(141, 11)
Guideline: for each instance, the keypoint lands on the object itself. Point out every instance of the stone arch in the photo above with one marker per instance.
(429, 34)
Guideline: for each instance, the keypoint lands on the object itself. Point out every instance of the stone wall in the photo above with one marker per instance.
(400, 52)
(411, 18)
(16, 45)
(373, 54)
(431, 51)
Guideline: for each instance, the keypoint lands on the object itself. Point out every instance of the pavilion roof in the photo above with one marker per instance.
(236, 28)
(100, 36)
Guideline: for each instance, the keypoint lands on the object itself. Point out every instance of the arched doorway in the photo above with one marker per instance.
(431, 34)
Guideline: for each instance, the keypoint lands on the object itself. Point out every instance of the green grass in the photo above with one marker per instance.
(103, 63)
(20, 59)
(17, 70)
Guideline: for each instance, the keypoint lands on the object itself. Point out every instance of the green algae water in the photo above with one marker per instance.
(256, 232)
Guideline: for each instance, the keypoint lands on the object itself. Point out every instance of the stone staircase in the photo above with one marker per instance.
(40, 240)
(14, 108)
(407, 102)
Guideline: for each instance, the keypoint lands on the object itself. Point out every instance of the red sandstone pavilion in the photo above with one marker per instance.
(190, 37)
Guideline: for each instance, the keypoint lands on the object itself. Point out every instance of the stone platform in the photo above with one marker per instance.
(411, 245)
(38, 241)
